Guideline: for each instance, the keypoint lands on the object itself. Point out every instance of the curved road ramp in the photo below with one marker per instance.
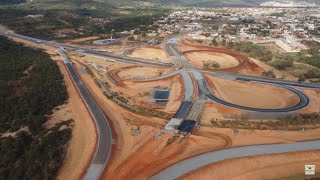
(248, 78)
(194, 163)
(104, 143)
(203, 86)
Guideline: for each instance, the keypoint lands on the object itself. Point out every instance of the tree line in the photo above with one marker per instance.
(290, 122)
(281, 61)
(31, 86)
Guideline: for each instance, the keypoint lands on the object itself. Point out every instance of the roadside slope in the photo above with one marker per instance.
(259, 167)
(82, 144)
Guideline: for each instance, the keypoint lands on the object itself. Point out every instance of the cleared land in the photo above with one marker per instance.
(82, 144)
(253, 94)
(83, 141)
(135, 72)
(151, 53)
(143, 92)
(138, 151)
(216, 111)
(148, 155)
(274, 48)
(127, 82)
(244, 65)
(157, 154)
(95, 60)
(315, 103)
(187, 45)
(198, 59)
(130, 84)
(259, 167)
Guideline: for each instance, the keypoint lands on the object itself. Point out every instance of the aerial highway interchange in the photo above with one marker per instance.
(186, 71)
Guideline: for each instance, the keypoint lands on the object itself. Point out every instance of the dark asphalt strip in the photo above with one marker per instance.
(104, 131)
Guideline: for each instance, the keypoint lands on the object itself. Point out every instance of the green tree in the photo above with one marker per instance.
(230, 45)
(131, 38)
(35, 89)
(224, 42)
(301, 78)
(214, 42)
(269, 74)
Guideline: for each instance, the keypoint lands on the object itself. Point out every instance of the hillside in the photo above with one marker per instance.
(211, 3)
(31, 86)
(57, 19)
(109, 2)
(214, 3)
(195, 3)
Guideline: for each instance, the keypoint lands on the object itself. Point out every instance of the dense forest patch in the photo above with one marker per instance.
(73, 19)
(27, 95)
(31, 86)
(34, 157)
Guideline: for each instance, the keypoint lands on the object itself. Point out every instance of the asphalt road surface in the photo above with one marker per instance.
(204, 89)
(173, 73)
(87, 50)
(126, 59)
(193, 163)
(247, 78)
(104, 144)
(105, 137)
(203, 86)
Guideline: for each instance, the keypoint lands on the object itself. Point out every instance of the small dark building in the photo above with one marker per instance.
(186, 126)
(161, 97)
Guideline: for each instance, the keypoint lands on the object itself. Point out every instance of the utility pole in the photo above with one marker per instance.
(15, 68)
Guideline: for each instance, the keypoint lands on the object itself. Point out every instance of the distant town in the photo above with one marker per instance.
(289, 28)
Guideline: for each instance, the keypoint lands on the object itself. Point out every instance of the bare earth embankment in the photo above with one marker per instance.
(82, 144)
(198, 59)
(147, 155)
(253, 94)
(259, 167)
(151, 53)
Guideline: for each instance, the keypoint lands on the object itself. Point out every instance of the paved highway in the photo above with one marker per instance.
(247, 78)
(203, 86)
(194, 163)
(86, 50)
(104, 143)
(105, 139)
(142, 79)
(125, 59)
(204, 89)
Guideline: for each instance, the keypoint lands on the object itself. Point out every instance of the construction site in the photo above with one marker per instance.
(165, 105)
(189, 106)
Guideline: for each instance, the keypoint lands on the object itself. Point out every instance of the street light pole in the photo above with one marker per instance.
(15, 68)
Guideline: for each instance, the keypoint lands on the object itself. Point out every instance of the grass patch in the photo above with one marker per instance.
(291, 122)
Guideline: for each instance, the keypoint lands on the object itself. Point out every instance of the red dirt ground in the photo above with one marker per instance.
(245, 66)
